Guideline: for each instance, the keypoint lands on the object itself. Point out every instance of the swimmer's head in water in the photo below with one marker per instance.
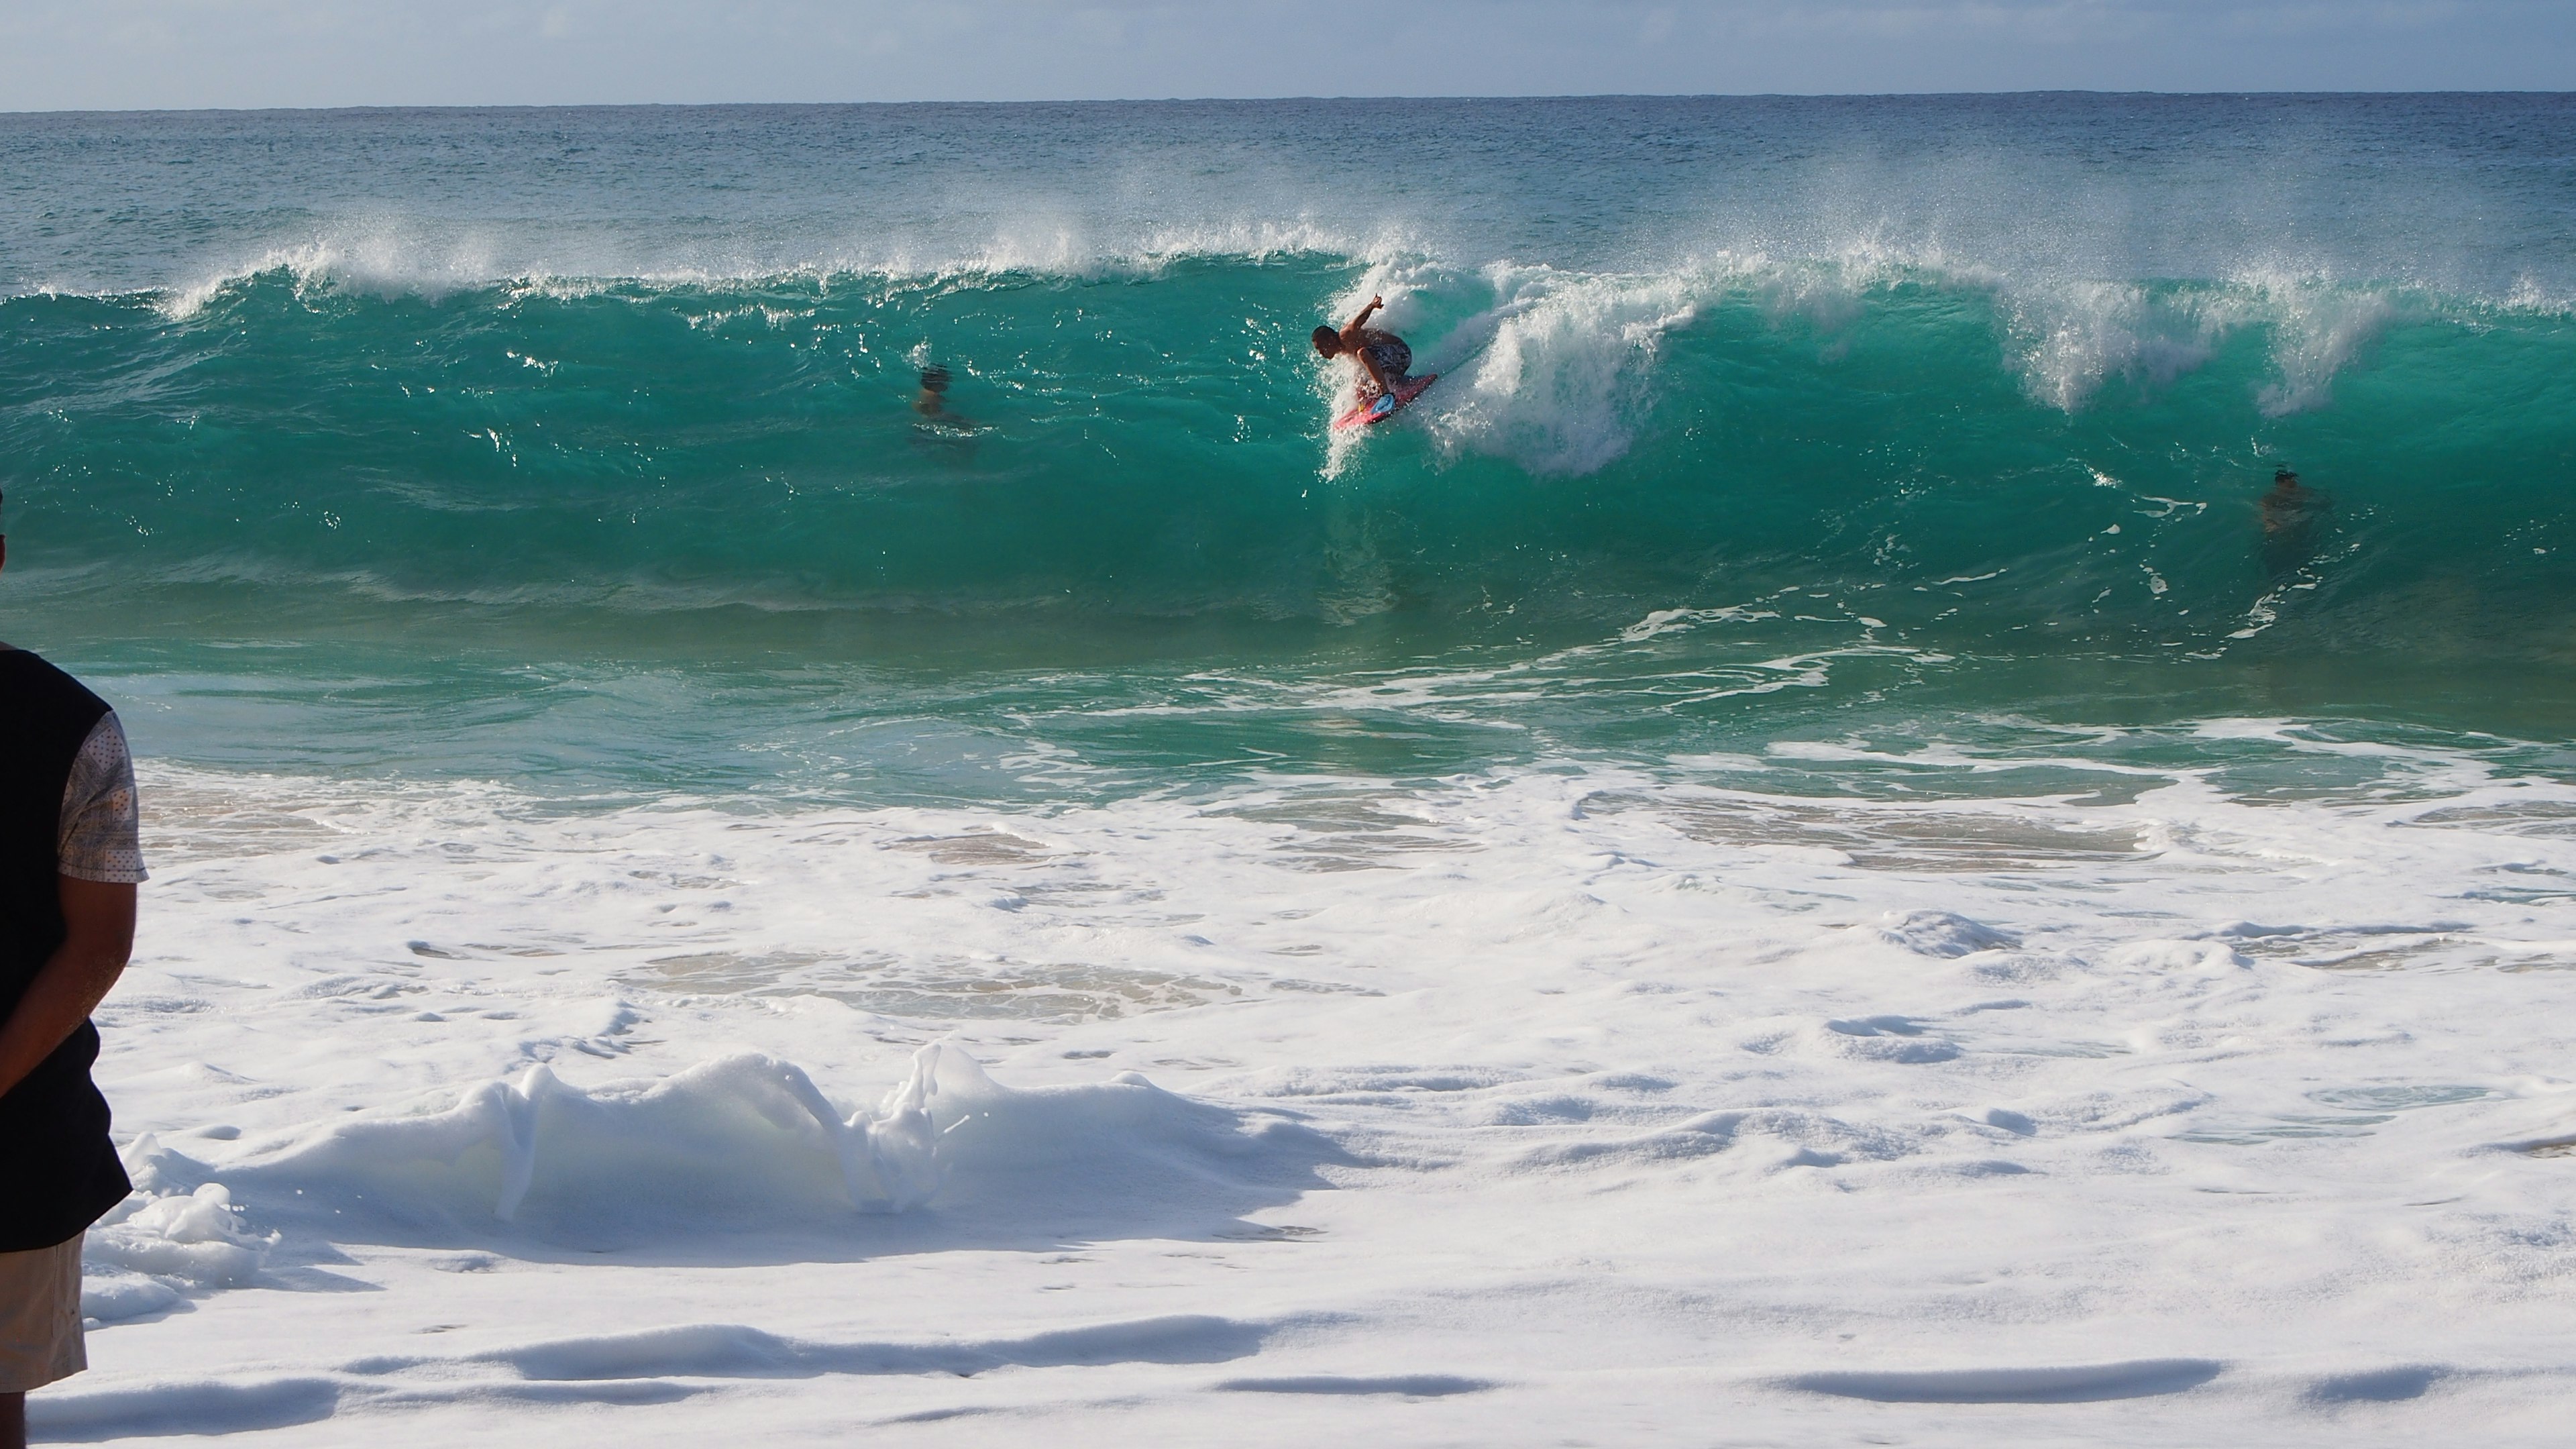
(934, 379)
(1328, 342)
(2284, 478)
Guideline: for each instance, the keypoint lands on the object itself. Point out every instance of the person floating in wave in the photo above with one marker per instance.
(1385, 362)
(932, 403)
(2291, 514)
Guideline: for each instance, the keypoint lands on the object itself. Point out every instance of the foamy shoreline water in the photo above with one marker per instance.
(1556, 1102)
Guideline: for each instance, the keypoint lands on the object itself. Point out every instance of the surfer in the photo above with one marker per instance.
(1380, 353)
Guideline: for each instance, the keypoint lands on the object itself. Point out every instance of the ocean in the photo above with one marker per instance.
(1813, 839)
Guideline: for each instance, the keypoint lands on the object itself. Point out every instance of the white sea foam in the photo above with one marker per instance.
(1504, 1092)
(1558, 370)
(387, 257)
(164, 1241)
(1559, 363)
(740, 1139)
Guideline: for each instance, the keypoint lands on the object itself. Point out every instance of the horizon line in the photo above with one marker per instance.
(2305, 94)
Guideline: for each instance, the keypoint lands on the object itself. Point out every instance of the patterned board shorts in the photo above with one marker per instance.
(1393, 358)
(40, 1317)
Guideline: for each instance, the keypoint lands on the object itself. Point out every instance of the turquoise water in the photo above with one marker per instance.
(577, 447)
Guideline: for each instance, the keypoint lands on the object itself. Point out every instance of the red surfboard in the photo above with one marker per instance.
(1371, 411)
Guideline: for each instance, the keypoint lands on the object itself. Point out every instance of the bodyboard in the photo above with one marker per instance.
(1367, 413)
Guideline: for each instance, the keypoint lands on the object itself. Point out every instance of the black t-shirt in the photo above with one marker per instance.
(58, 1170)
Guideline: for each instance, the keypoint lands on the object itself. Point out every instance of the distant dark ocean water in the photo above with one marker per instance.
(577, 448)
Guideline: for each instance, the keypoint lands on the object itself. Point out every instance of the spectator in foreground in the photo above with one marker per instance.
(69, 862)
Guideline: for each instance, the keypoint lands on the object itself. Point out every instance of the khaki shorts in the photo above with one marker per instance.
(40, 1317)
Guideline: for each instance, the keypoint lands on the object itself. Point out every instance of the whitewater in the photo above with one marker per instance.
(1796, 855)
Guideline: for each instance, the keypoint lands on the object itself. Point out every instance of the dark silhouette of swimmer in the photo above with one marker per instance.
(936, 427)
(931, 402)
(1382, 354)
(2291, 514)
(2286, 507)
(934, 406)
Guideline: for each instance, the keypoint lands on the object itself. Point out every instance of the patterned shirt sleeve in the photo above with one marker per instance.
(99, 838)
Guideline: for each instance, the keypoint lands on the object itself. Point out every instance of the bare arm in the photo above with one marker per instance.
(1351, 329)
(98, 917)
(1377, 374)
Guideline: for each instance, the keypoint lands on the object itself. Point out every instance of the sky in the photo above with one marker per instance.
(177, 54)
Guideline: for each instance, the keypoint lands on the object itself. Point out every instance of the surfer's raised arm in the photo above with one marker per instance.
(1351, 333)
